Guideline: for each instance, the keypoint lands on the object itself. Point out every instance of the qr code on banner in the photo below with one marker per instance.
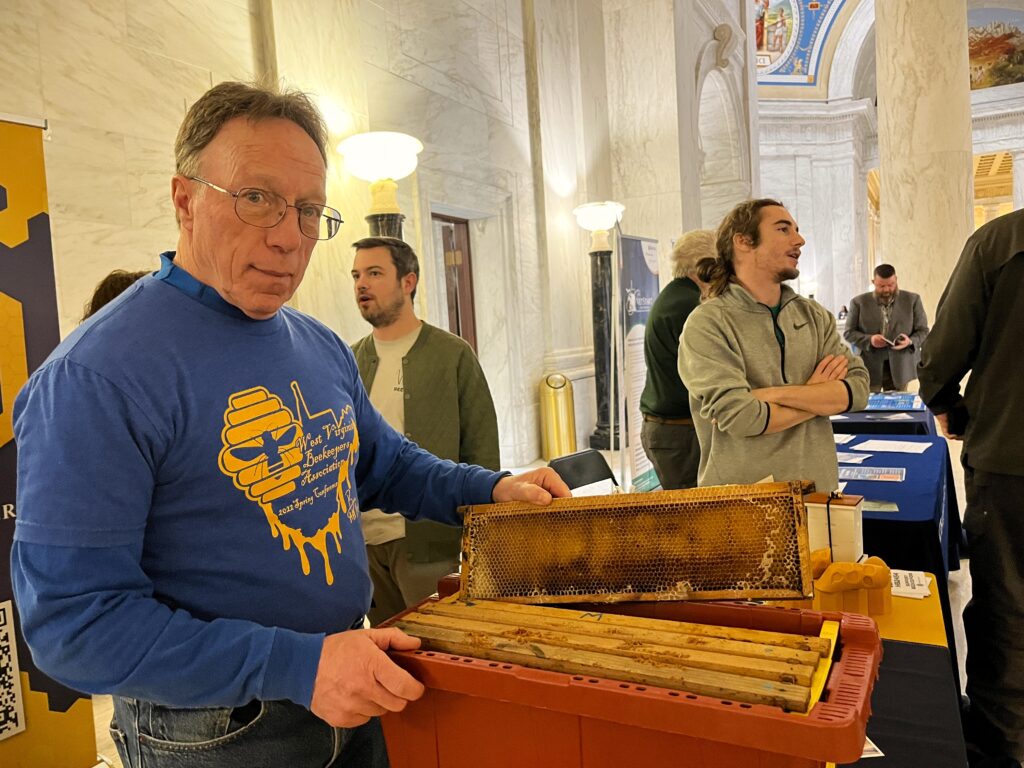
(12, 711)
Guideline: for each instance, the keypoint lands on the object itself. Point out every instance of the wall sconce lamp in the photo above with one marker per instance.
(382, 158)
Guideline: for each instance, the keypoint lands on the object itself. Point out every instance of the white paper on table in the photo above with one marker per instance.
(897, 417)
(910, 584)
(876, 505)
(843, 439)
(891, 446)
(838, 417)
(844, 457)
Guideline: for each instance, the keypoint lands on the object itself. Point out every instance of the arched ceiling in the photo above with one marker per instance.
(845, 47)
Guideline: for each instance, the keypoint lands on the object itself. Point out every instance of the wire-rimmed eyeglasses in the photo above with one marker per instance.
(266, 209)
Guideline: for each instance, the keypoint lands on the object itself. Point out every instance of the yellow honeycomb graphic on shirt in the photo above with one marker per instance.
(285, 461)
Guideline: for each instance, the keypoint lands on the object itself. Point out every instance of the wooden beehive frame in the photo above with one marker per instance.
(712, 543)
(743, 665)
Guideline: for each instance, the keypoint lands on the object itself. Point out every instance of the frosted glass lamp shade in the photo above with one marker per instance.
(597, 216)
(380, 155)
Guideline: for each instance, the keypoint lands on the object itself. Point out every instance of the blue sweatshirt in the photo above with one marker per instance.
(189, 487)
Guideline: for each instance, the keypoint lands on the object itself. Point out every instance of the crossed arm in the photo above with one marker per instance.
(823, 394)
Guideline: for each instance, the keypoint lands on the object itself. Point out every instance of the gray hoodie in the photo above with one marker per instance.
(729, 347)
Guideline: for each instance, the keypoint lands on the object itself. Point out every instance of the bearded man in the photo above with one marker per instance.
(428, 385)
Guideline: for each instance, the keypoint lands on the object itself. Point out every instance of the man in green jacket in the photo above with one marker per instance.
(667, 434)
(765, 367)
(428, 385)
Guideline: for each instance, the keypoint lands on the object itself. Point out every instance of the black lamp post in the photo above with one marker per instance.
(599, 219)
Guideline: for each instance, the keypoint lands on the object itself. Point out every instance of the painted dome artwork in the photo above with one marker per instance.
(776, 29)
(996, 46)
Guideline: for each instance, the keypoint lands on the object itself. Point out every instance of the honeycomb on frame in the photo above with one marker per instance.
(712, 543)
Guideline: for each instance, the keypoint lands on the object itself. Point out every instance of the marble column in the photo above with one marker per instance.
(1018, 179)
(925, 151)
(924, 137)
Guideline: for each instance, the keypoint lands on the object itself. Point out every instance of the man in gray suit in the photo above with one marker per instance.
(887, 326)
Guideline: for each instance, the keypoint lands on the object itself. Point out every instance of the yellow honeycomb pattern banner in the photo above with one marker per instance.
(42, 723)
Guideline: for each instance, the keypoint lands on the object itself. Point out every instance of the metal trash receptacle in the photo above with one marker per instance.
(557, 417)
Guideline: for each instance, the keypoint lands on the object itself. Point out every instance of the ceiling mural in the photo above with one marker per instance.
(789, 37)
(995, 38)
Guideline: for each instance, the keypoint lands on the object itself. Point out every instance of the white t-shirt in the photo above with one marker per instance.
(388, 397)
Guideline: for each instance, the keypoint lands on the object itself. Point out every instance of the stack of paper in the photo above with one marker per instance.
(892, 446)
(910, 584)
(876, 505)
(851, 458)
(843, 439)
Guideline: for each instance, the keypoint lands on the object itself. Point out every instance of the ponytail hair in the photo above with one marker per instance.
(714, 275)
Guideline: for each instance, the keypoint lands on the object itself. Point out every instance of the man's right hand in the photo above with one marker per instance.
(878, 341)
(830, 368)
(356, 680)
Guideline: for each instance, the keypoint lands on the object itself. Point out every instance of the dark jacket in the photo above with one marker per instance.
(664, 394)
(448, 412)
(979, 327)
(907, 316)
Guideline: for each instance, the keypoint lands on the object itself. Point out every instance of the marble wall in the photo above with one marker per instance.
(815, 165)
(453, 74)
(340, 89)
(682, 109)
(526, 108)
(643, 119)
(572, 166)
(112, 78)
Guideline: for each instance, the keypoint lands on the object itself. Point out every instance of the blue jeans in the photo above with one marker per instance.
(261, 734)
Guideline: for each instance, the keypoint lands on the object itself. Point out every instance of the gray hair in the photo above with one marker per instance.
(228, 100)
(690, 248)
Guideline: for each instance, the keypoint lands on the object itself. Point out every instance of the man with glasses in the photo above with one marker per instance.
(192, 464)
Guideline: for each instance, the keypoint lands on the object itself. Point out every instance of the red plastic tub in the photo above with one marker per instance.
(487, 714)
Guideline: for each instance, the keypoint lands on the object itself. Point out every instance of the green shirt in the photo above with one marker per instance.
(779, 336)
(664, 394)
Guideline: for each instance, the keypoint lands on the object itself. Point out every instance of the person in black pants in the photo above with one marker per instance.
(977, 328)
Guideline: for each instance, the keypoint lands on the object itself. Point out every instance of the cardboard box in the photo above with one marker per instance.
(847, 527)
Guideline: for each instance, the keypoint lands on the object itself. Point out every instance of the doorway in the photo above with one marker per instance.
(453, 236)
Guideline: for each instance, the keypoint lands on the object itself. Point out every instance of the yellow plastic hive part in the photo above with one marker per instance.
(856, 587)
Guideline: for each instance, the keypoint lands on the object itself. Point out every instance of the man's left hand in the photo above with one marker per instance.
(829, 368)
(538, 486)
(902, 342)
